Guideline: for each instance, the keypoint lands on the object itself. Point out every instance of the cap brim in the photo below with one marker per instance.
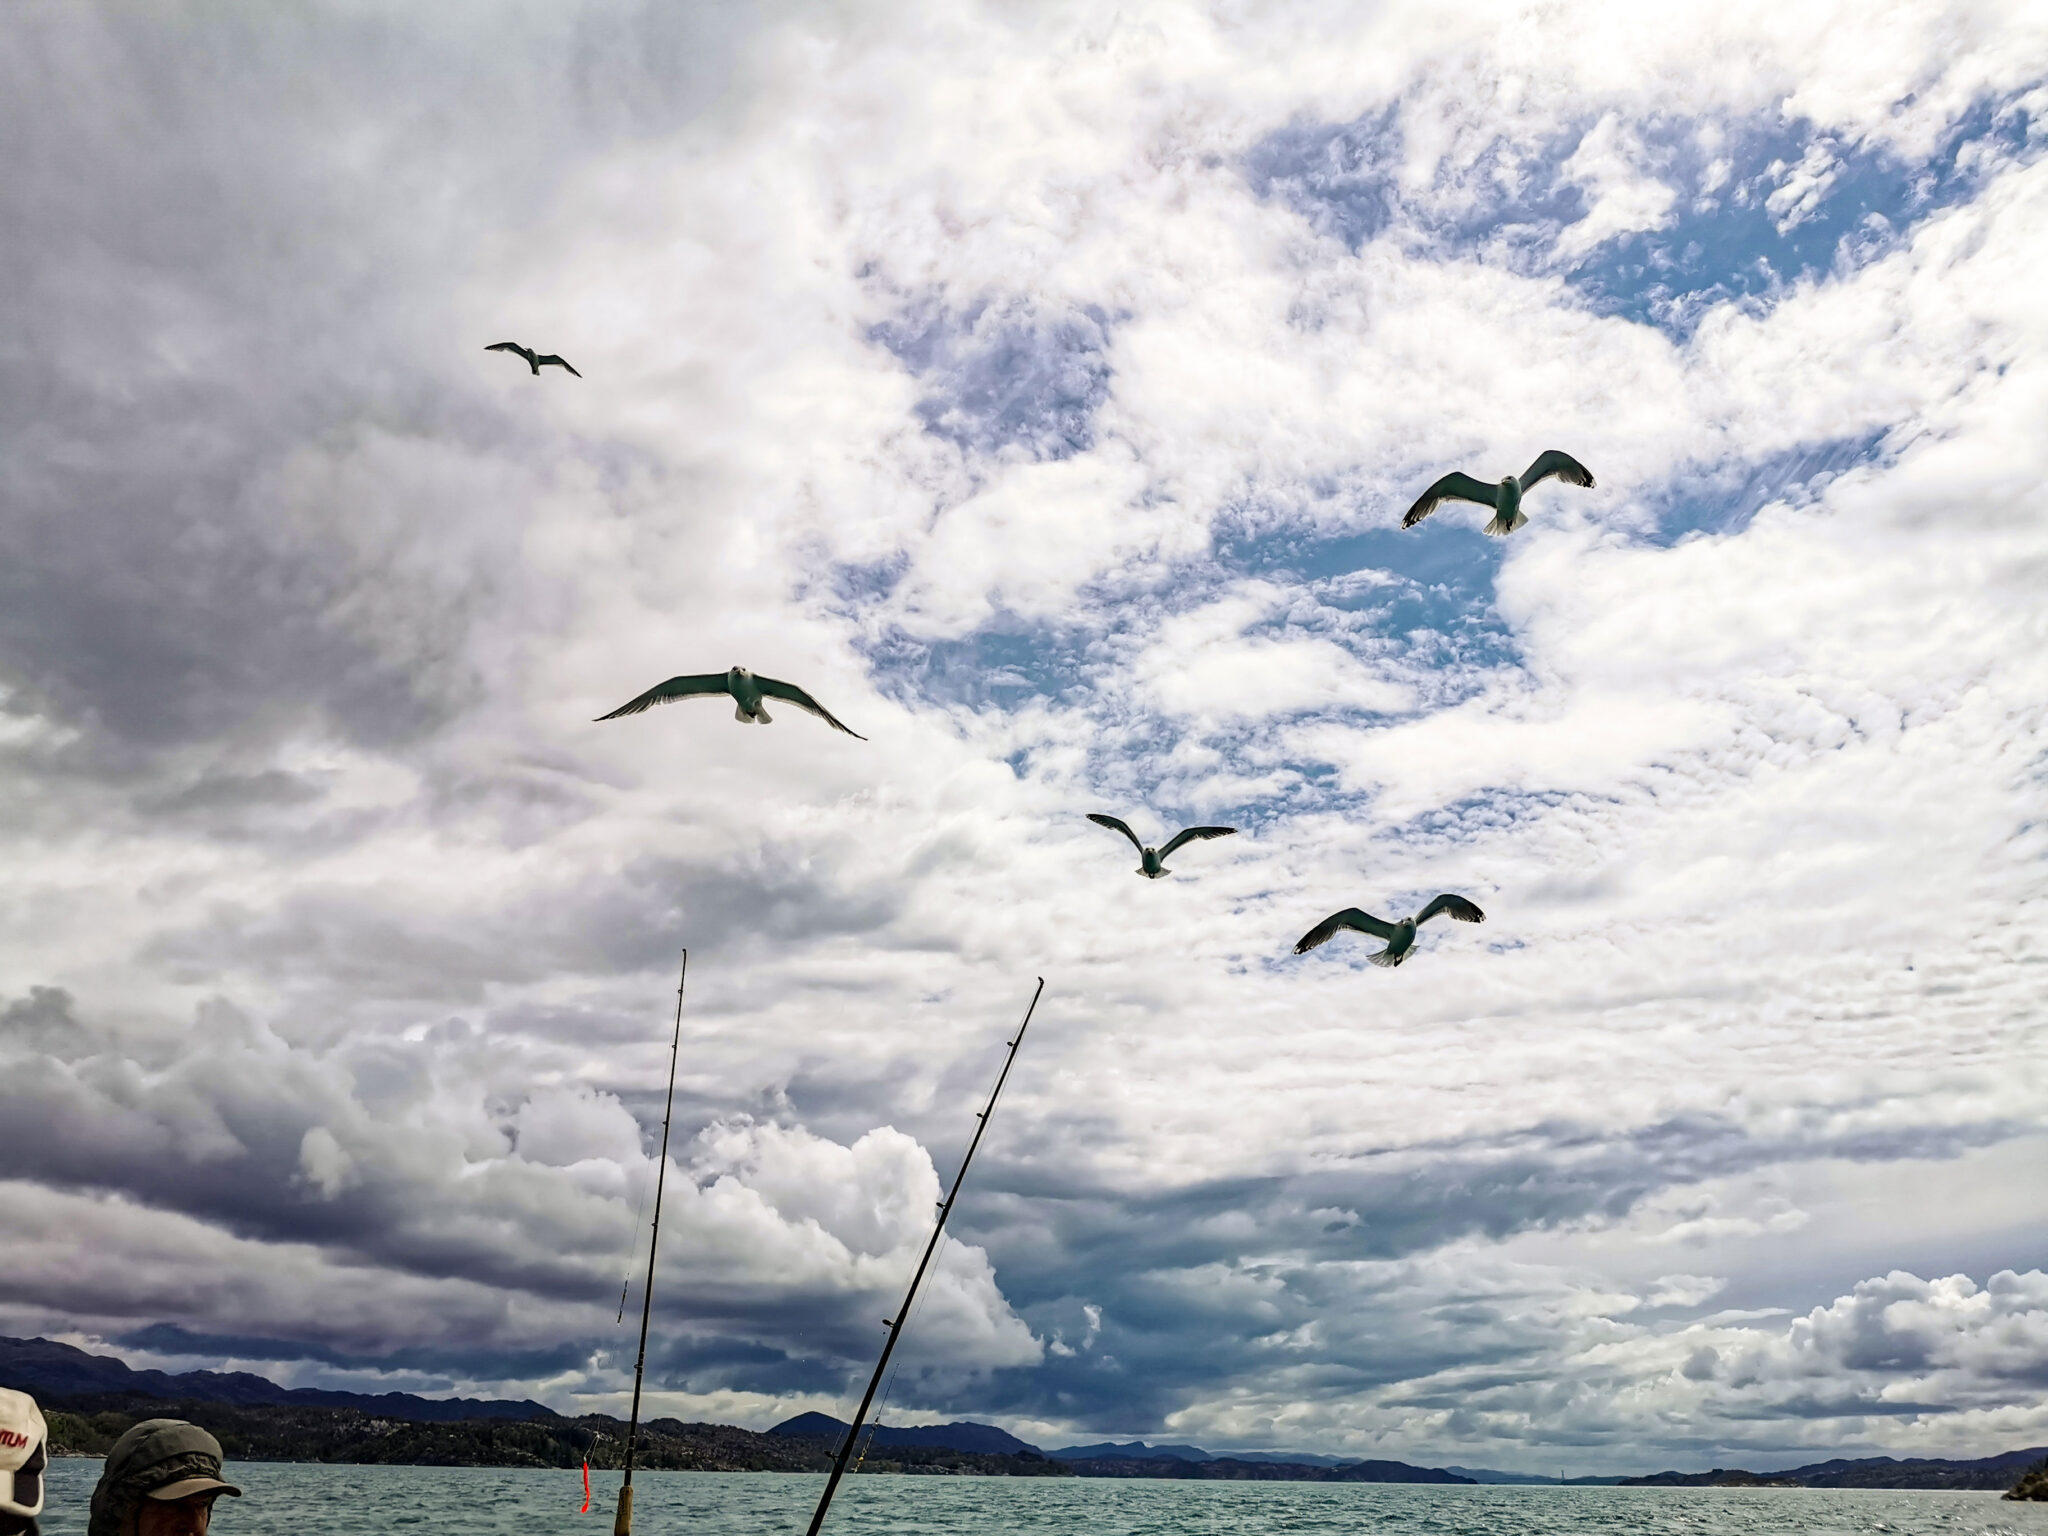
(185, 1487)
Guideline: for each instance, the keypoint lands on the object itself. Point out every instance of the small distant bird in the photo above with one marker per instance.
(747, 692)
(534, 360)
(1152, 861)
(1400, 936)
(1505, 498)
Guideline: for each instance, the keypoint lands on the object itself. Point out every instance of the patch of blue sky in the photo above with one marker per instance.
(1000, 664)
(1723, 499)
(1418, 604)
(1002, 375)
(1422, 599)
(1760, 204)
(1337, 176)
(1419, 599)
(1487, 813)
(1341, 178)
(857, 583)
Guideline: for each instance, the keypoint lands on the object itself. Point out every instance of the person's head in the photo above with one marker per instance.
(188, 1516)
(161, 1479)
(24, 1452)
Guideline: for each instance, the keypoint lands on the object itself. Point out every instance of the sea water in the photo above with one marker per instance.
(283, 1499)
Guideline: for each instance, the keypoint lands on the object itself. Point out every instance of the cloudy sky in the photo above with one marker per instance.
(1042, 388)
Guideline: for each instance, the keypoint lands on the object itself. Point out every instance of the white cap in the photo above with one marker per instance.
(24, 1452)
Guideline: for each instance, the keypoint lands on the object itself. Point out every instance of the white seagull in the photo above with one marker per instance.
(1505, 498)
(1400, 936)
(534, 360)
(747, 692)
(1152, 861)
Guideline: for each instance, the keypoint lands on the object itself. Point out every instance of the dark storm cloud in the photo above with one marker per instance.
(41, 1021)
(218, 1134)
(1190, 1284)
(229, 1132)
(406, 1160)
(429, 1359)
(392, 942)
(250, 486)
(180, 325)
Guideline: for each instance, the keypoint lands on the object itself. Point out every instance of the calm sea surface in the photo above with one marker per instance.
(286, 1500)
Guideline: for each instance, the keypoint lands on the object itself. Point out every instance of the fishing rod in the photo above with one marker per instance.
(622, 1524)
(903, 1312)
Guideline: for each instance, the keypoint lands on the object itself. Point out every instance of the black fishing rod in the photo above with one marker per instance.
(622, 1525)
(903, 1312)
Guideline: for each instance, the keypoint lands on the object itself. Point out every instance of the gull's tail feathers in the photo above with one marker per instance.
(1501, 526)
(1388, 958)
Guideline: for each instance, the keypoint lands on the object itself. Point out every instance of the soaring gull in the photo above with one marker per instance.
(534, 360)
(1152, 861)
(747, 692)
(1400, 936)
(1505, 498)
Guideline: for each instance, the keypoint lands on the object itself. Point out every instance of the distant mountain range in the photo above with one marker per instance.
(1138, 1450)
(985, 1439)
(1500, 1479)
(49, 1369)
(290, 1432)
(1131, 1450)
(1987, 1472)
(1238, 1469)
(317, 1425)
(1133, 1458)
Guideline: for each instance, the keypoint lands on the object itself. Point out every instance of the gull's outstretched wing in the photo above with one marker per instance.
(1350, 917)
(1456, 486)
(1193, 834)
(510, 346)
(1555, 461)
(702, 685)
(1116, 826)
(1458, 907)
(560, 362)
(780, 690)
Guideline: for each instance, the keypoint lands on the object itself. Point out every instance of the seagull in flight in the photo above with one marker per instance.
(1400, 936)
(534, 360)
(1152, 861)
(1505, 498)
(746, 690)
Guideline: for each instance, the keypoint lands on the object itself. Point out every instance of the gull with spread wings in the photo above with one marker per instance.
(1152, 861)
(746, 691)
(1505, 498)
(534, 360)
(1400, 936)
